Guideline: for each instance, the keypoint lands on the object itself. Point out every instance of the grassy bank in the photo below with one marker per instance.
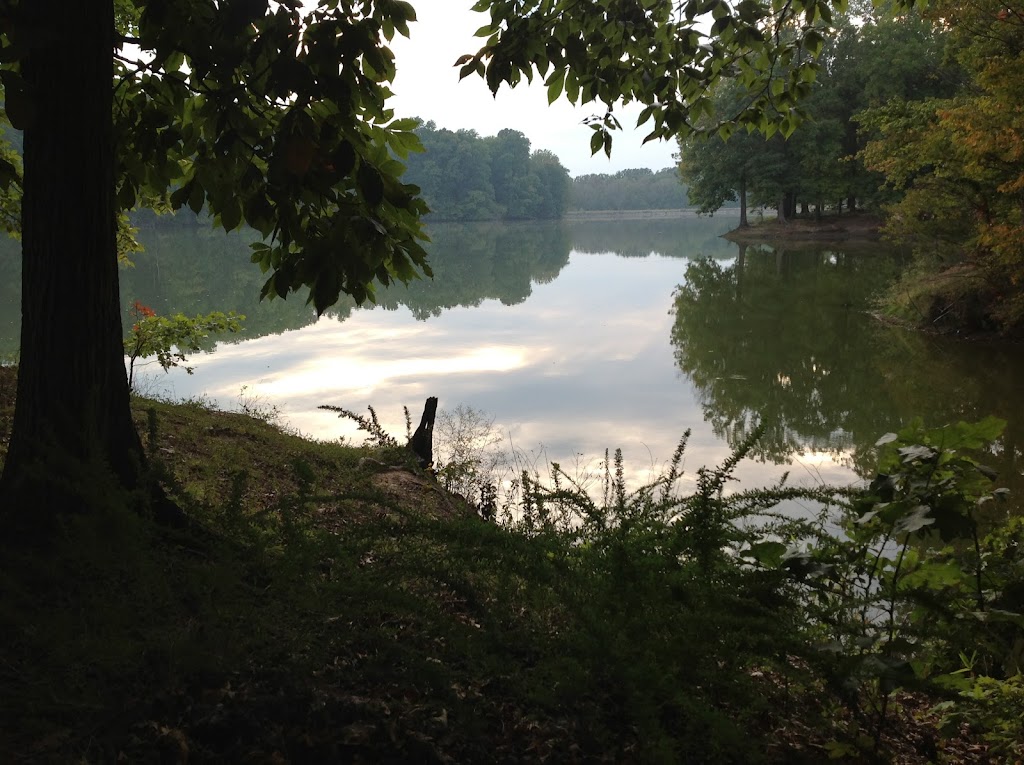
(337, 606)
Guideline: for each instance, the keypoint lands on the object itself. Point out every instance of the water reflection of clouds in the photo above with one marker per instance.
(583, 365)
(366, 374)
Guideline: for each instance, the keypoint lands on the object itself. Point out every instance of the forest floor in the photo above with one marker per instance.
(341, 607)
(829, 228)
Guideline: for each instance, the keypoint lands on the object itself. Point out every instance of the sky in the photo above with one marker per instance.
(427, 86)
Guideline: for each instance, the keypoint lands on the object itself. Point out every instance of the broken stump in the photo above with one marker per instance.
(422, 441)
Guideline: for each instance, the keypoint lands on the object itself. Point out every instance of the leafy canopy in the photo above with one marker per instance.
(664, 54)
(275, 115)
(958, 162)
(271, 115)
(863, 64)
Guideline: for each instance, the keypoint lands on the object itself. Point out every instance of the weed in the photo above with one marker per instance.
(319, 616)
(468, 458)
(376, 436)
(255, 406)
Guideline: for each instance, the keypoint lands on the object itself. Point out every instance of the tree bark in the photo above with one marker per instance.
(72, 423)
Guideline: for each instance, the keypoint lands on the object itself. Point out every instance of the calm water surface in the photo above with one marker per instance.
(578, 337)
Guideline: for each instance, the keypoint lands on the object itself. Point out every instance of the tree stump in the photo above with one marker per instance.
(422, 441)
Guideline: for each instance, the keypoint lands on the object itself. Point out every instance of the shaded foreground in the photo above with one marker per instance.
(341, 607)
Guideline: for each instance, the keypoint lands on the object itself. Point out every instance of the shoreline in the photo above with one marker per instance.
(669, 214)
(864, 227)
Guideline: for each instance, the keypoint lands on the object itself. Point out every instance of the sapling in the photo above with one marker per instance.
(169, 338)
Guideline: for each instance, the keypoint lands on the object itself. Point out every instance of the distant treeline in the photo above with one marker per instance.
(464, 177)
(639, 189)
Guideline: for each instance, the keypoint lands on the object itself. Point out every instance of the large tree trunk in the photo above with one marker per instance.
(72, 423)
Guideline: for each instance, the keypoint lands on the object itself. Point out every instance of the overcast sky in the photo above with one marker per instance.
(428, 86)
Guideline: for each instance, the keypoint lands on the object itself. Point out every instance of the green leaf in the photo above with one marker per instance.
(556, 83)
(996, 615)
(989, 429)
(281, 284)
(231, 215)
(915, 520)
(8, 174)
(126, 196)
(916, 452)
(344, 159)
(768, 554)
(937, 575)
(371, 184)
(813, 41)
(196, 196)
(572, 89)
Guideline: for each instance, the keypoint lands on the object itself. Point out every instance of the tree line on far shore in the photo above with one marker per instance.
(466, 177)
(820, 166)
(633, 189)
(916, 115)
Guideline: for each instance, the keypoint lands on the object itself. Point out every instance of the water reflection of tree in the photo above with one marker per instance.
(945, 380)
(686, 237)
(477, 262)
(780, 336)
(195, 270)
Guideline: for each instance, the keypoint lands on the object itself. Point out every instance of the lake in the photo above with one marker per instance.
(581, 336)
